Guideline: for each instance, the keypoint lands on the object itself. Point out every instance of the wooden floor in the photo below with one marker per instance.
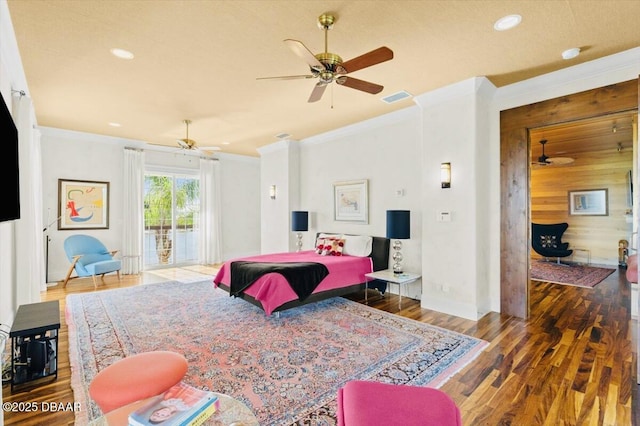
(572, 363)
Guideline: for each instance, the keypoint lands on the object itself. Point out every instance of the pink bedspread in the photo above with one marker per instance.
(273, 290)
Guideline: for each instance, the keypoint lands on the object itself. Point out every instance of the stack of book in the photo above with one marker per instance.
(181, 405)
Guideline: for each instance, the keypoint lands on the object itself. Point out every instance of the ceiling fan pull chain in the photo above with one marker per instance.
(332, 96)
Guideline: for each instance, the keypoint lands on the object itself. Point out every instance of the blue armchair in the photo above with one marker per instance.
(89, 257)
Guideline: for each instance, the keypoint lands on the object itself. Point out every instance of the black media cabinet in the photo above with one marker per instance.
(34, 342)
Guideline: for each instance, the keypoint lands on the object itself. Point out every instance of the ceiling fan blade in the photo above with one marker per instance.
(362, 85)
(286, 77)
(381, 54)
(317, 92)
(183, 143)
(305, 54)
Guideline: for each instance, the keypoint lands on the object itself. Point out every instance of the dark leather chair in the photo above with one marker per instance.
(546, 240)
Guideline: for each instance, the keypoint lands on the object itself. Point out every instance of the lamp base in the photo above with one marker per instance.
(299, 242)
(397, 257)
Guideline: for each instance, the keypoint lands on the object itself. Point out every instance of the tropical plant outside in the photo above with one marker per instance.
(159, 209)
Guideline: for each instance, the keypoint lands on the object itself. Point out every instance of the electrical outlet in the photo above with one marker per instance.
(445, 288)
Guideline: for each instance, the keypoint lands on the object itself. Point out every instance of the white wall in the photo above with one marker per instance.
(455, 252)
(11, 77)
(240, 183)
(387, 152)
(81, 156)
(279, 166)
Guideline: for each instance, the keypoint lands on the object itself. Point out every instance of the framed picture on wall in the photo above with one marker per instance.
(589, 202)
(350, 200)
(83, 204)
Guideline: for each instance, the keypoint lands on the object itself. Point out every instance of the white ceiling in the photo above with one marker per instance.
(200, 60)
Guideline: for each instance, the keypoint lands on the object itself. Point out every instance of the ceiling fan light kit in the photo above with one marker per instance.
(328, 67)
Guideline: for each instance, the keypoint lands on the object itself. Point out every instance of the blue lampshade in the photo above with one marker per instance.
(299, 221)
(398, 224)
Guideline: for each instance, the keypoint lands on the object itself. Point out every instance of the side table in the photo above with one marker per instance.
(34, 342)
(391, 278)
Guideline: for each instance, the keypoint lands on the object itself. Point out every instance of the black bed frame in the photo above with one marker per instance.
(379, 256)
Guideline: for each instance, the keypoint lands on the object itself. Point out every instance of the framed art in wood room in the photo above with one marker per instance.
(83, 204)
(588, 202)
(351, 202)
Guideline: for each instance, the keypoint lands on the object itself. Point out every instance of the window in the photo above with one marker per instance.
(171, 219)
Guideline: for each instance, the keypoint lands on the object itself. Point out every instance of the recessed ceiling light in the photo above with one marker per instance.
(112, 124)
(226, 143)
(282, 135)
(121, 53)
(507, 22)
(571, 53)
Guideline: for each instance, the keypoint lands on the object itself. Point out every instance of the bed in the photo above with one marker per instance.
(335, 275)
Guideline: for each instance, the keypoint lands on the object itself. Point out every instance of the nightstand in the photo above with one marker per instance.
(391, 278)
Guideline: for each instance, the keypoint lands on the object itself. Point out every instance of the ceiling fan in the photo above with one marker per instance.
(328, 67)
(543, 160)
(190, 144)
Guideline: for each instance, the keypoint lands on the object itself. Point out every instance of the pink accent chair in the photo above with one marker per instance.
(136, 377)
(366, 403)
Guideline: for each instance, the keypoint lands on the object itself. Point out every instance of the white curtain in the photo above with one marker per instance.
(133, 224)
(29, 238)
(210, 238)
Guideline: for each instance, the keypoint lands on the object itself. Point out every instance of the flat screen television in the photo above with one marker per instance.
(10, 204)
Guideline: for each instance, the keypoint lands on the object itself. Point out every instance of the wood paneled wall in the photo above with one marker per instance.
(514, 176)
(595, 170)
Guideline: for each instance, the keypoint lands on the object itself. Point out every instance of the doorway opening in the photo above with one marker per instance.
(171, 219)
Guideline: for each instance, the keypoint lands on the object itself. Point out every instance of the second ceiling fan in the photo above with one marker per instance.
(190, 144)
(543, 160)
(328, 67)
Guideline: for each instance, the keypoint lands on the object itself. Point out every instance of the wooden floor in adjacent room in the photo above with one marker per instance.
(572, 363)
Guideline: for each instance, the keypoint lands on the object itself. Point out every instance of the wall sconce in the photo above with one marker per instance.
(272, 192)
(445, 175)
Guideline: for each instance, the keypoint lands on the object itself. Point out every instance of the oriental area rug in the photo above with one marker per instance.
(286, 369)
(573, 274)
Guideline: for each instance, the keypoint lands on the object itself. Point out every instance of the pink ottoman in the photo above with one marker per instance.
(364, 403)
(136, 377)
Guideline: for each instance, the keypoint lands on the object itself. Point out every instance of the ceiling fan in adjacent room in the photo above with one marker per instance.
(191, 145)
(543, 160)
(328, 67)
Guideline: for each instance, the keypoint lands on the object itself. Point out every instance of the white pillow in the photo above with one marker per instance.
(325, 235)
(357, 245)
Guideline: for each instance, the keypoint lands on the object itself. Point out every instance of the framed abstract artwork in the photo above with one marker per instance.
(351, 201)
(83, 204)
(590, 202)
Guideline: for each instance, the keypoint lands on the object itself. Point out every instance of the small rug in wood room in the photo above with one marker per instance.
(574, 274)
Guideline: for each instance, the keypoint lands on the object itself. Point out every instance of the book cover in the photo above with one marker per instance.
(181, 405)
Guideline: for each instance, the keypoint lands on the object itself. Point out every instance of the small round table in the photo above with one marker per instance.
(230, 413)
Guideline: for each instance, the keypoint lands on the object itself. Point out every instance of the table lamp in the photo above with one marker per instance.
(299, 223)
(398, 228)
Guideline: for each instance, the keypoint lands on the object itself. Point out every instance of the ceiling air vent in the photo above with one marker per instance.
(396, 97)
